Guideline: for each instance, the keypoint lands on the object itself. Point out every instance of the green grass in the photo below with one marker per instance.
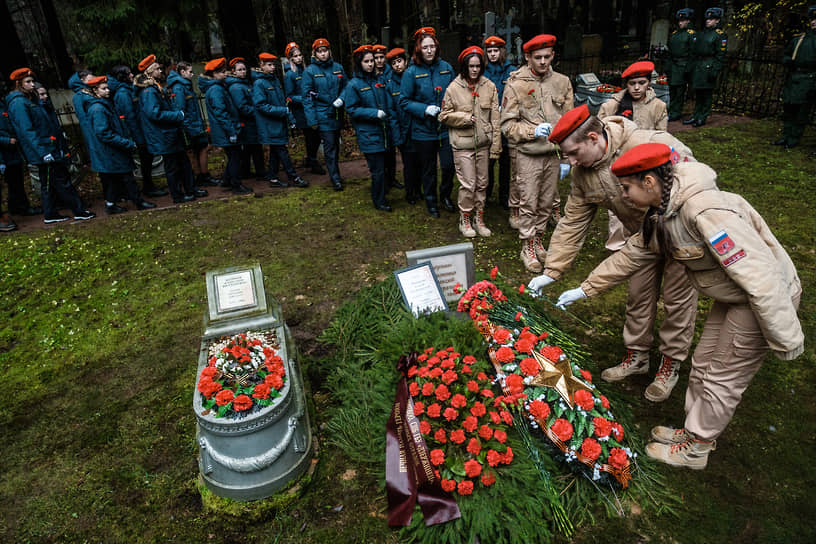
(102, 323)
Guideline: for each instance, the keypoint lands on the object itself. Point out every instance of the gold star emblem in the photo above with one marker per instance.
(559, 376)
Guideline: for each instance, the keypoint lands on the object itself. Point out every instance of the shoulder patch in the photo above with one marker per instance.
(721, 242)
(719, 31)
(734, 258)
(420, 75)
(444, 71)
(365, 89)
(319, 75)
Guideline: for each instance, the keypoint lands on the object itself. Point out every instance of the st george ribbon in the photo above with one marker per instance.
(409, 475)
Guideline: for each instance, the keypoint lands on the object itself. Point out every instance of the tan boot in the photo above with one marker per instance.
(555, 216)
(691, 453)
(514, 218)
(665, 380)
(464, 225)
(668, 435)
(528, 256)
(478, 224)
(634, 362)
(540, 250)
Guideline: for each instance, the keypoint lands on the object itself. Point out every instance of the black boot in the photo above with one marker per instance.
(447, 203)
(690, 121)
(433, 211)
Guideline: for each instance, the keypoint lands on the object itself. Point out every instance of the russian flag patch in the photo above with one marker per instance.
(721, 242)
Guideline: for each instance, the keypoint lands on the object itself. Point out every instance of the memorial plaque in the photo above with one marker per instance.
(420, 289)
(235, 292)
(451, 264)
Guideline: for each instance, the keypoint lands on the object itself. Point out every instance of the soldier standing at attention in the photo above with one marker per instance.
(679, 64)
(799, 92)
(709, 55)
(534, 100)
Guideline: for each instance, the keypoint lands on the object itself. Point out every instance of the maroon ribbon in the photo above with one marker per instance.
(409, 475)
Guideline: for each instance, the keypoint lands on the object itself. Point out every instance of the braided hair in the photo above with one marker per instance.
(655, 217)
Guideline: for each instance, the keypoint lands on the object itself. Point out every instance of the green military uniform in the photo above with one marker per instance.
(799, 92)
(709, 56)
(679, 65)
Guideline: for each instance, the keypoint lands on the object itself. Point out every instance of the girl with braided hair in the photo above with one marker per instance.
(730, 255)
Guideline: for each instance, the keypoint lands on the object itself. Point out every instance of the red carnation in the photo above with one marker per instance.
(521, 289)
(419, 408)
(562, 429)
(274, 381)
(493, 458)
(473, 468)
(474, 446)
(485, 432)
(472, 386)
(457, 288)
(488, 478)
(618, 458)
(261, 391)
(466, 370)
(540, 409)
(507, 458)
(478, 409)
(436, 372)
(449, 377)
(553, 353)
(505, 355)
(602, 426)
(584, 399)
(487, 393)
(518, 316)
(424, 427)
(500, 435)
(481, 376)
(437, 457)
(529, 366)
(494, 272)
(465, 487)
(457, 436)
(442, 393)
(413, 388)
(241, 403)
(501, 335)
(208, 388)
(531, 91)
(440, 437)
(434, 410)
(224, 397)
(590, 448)
(523, 345)
(470, 424)
(427, 388)
(450, 414)
(458, 401)
(586, 375)
(605, 402)
(514, 383)
(448, 485)
(617, 430)
(468, 359)
(495, 417)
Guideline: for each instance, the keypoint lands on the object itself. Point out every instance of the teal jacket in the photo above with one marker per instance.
(37, 128)
(110, 148)
(221, 111)
(161, 123)
(364, 96)
(271, 111)
(240, 91)
(322, 83)
(422, 86)
(184, 98)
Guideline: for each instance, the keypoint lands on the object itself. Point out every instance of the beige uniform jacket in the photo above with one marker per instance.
(729, 253)
(597, 187)
(530, 100)
(649, 113)
(460, 104)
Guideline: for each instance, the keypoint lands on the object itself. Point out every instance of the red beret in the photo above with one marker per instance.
(147, 62)
(472, 49)
(267, 57)
(379, 49)
(568, 123)
(396, 52)
(21, 73)
(539, 42)
(642, 68)
(235, 61)
(320, 42)
(363, 49)
(289, 47)
(94, 81)
(215, 64)
(429, 30)
(641, 158)
(494, 41)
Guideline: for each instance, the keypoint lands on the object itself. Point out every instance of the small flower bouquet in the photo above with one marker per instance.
(464, 431)
(606, 88)
(244, 373)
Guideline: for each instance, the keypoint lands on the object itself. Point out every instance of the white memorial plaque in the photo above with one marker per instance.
(235, 291)
(420, 289)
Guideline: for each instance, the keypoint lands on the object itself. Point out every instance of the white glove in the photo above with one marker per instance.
(540, 282)
(233, 139)
(2, 169)
(543, 130)
(565, 168)
(568, 297)
(182, 114)
(49, 158)
(381, 114)
(432, 111)
(338, 103)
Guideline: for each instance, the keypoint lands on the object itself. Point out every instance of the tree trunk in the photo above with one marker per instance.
(37, 28)
(240, 28)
